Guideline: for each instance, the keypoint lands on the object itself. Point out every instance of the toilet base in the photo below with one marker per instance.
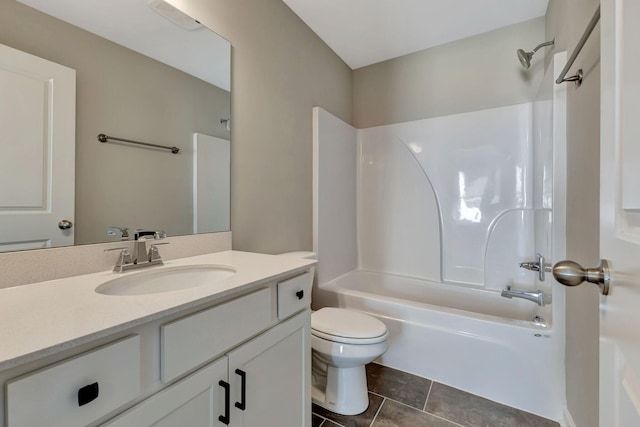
(345, 392)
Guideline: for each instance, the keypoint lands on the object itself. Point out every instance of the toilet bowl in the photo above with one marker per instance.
(342, 343)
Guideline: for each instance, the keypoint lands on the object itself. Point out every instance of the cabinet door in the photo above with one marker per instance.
(276, 371)
(196, 401)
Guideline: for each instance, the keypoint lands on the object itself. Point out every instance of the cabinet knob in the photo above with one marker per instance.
(300, 294)
(88, 394)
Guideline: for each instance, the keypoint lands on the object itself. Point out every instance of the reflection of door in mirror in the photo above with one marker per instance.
(211, 183)
(37, 142)
(141, 77)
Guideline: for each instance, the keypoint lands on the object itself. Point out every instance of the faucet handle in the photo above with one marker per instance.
(123, 259)
(542, 266)
(538, 265)
(154, 253)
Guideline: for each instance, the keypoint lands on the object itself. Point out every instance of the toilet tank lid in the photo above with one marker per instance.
(346, 323)
(301, 254)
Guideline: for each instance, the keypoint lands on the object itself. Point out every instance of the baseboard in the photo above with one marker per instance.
(567, 420)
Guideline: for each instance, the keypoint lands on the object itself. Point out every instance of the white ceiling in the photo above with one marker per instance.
(364, 32)
(131, 23)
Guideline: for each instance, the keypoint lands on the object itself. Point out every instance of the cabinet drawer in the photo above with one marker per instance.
(193, 340)
(294, 295)
(102, 380)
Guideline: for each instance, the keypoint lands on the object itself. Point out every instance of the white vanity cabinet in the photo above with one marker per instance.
(264, 382)
(239, 358)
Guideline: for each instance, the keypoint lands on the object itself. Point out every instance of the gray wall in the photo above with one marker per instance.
(471, 74)
(281, 69)
(128, 95)
(567, 20)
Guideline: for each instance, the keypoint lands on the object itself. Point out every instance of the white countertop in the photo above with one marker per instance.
(41, 319)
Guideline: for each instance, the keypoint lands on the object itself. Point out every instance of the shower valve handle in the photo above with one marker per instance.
(539, 265)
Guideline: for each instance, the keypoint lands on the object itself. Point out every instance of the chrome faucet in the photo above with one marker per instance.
(538, 296)
(140, 257)
(121, 232)
(140, 245)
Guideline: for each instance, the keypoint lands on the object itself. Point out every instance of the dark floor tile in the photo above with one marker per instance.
(316, 420)
(397, 385)
(393, 414)
(362, 420)
(474, 411)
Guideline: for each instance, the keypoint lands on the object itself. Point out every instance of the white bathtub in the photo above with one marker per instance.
(467, 338)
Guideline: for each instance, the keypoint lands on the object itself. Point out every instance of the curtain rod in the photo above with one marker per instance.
(577, 78)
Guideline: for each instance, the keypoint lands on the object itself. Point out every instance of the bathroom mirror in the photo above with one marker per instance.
(123, 94)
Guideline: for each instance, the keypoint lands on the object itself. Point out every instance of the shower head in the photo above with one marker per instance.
(525, 57)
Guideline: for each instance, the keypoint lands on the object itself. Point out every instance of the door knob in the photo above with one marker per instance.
(65, 224)
(570, 273)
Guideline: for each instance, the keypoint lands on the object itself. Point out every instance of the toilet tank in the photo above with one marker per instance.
(301, 254)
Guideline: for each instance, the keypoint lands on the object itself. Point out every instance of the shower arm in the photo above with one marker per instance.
(541, 45)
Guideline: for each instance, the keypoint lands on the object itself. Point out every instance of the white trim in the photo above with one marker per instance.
(567, 419)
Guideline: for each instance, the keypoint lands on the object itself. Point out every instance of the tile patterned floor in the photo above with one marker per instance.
(398, 399)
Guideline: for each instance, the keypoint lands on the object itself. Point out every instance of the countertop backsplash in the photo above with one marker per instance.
(24, 267)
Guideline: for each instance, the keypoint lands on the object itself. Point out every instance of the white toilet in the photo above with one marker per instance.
(342, 342)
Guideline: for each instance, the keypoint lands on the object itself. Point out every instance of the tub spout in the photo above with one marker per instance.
(538, 296)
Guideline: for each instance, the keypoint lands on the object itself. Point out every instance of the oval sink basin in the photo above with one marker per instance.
(166, 280)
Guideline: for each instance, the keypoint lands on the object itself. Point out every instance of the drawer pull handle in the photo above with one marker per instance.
(300, 294)
(88, 394)
(224, 419)
(243, 390)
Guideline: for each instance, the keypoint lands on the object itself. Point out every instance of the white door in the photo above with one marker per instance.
(620, 213)
(37, 146)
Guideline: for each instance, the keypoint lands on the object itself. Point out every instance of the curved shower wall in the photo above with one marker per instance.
(449, 198)
(398, 216)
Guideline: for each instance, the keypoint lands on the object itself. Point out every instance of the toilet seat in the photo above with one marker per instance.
(347, 327)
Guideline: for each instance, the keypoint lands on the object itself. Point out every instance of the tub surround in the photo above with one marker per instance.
(45, 318)
(446, 199)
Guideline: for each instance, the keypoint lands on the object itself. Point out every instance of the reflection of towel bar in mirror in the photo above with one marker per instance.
(104, 138)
